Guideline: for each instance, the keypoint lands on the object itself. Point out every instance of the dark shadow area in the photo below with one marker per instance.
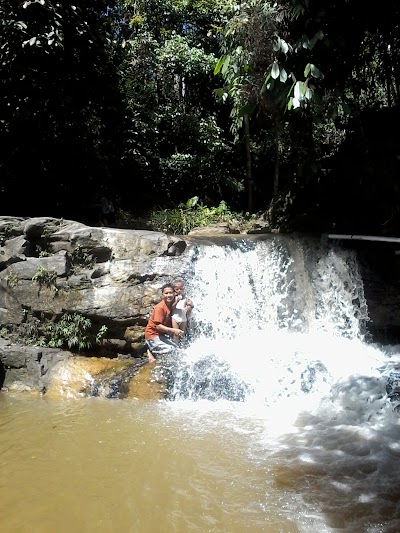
(2, 374)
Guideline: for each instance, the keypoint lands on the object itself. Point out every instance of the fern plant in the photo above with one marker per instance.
(44, 277)
(194, 214)
(73, 330)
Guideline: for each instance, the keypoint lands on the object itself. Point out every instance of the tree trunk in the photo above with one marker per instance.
(276, 166)
(249, 177)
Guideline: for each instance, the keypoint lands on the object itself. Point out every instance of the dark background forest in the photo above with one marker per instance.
(286, 109)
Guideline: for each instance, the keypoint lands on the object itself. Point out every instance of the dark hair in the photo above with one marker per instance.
(167, 285)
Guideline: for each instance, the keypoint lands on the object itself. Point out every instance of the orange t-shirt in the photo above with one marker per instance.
(161, 314)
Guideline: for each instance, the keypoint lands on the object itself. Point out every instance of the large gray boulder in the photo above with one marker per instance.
(49, 267)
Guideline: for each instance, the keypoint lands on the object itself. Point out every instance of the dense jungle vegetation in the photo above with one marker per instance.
(287, 109)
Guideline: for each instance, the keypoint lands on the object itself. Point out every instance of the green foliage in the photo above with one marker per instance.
(101, 333)
(4, 332)
(297, 54)
(178, 57)
(56, 63)
(105, 93)
(45, 278)
(11, 279)
(194, 214)
(261, 54)
(41, 252)
(73, 330)
(177, 136)
(80, 258)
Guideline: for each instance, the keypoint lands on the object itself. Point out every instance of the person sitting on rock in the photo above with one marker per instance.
(159, 333)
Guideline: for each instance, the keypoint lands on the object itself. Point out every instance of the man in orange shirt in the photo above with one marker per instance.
(159, 332)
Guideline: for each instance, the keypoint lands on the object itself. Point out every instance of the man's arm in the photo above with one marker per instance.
(159, 318)
(165, 330)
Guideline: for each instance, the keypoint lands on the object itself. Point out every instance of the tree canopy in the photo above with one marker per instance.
(285, 108)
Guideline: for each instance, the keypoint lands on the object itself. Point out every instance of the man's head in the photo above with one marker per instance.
(167, 293)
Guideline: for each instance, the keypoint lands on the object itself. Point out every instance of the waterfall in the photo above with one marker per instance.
(277, 285)
(275, 320)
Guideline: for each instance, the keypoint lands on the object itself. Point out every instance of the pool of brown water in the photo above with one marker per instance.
(126, 465)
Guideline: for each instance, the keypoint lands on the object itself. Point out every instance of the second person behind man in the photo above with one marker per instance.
(182, 308)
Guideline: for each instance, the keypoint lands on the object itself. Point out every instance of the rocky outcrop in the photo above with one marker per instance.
(27, 368)
(50, 267)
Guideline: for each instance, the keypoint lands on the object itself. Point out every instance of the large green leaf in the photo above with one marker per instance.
(275, 70)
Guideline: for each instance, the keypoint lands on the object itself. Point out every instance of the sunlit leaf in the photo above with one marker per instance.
(277, 44)
(225, 65)
(299, 90)
(219, 64)
(316, 73)
(275, 70)
(192, 201)
(308, 94)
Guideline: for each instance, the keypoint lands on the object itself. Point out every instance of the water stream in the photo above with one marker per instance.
(280, 414)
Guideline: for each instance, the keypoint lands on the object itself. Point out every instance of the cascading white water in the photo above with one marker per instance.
(280, 327)
(276, 285)
(277, 321)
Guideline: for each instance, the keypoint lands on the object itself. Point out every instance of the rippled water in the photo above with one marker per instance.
(140, 466)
